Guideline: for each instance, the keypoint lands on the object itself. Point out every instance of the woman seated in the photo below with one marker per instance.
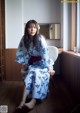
(32, 54)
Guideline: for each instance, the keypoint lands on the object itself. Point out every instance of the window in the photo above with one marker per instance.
(71, 24)
(78, 24)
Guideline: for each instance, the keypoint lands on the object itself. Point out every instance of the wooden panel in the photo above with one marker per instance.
(12, 67)
(71, 74)
(57, 65)
(2, 39)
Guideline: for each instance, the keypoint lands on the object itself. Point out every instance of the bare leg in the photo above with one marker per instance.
(23, 98)
(31, 104)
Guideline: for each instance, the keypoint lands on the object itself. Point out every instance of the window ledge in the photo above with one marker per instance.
(73, 53)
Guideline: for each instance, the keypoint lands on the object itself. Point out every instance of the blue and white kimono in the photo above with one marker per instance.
(37, 76)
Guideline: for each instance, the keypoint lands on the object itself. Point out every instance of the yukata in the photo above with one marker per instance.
(37, 76)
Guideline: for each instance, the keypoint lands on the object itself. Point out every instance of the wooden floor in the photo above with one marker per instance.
(58, 101)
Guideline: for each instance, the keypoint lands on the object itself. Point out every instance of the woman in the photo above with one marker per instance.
(32, 54)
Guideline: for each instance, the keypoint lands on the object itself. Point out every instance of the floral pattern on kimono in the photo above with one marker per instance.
(37, 76)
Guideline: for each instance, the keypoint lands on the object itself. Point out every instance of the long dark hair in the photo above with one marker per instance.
(26, 35)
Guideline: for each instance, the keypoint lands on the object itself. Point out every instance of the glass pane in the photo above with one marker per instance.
(50, 31)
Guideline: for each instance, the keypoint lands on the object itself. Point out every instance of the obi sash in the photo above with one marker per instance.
(34, 59)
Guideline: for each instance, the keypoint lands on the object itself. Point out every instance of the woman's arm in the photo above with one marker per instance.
(22, 56)
(51, 71)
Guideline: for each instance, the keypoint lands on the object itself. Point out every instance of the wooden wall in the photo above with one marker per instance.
(12, 67)
(2, 39)
(71, 74)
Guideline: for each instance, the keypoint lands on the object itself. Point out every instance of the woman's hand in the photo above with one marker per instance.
(24, 68)
(51, 72)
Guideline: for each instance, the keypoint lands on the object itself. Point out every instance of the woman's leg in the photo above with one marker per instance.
(23, 98)
(31, 104)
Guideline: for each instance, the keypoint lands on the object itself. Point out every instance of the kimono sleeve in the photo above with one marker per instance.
(22, 56)
(44, 53)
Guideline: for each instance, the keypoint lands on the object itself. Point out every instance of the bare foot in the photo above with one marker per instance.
(20, 106)
(30, 104)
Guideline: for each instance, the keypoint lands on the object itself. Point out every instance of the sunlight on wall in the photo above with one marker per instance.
(73, 32)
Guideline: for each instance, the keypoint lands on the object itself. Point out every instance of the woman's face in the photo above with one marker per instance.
(32, 29)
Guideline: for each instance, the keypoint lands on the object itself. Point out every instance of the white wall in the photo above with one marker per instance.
(66, 26)
(13, 22)
(18, 12)
(56, 43)
(44, 11)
